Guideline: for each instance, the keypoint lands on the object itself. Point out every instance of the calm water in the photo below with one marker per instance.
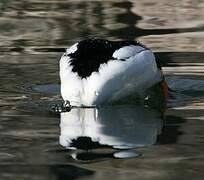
(126, 141)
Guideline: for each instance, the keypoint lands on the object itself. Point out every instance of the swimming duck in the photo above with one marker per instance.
(96, 71)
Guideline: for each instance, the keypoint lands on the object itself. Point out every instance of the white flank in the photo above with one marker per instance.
(114, 80)
(71, 83)
(127, 51)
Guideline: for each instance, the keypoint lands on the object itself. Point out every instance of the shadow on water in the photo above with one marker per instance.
(171, 130)
(178, 59)
(58, 172)
(131, 31)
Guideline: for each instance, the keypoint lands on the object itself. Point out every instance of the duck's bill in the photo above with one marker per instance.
(165, 89)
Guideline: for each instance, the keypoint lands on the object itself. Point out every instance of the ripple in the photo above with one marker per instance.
(46, 88)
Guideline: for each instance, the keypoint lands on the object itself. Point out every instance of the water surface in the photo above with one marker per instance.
(131, 141)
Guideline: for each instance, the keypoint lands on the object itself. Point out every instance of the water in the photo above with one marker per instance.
(149, 143)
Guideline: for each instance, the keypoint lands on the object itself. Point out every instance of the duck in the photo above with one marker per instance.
(97, 71)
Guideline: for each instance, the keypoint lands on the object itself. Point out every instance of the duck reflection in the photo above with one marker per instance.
(120, 127)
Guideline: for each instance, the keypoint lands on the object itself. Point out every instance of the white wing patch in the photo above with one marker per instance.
(72, 49)
(127, 51)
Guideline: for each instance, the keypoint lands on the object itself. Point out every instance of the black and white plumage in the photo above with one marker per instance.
(96, 71)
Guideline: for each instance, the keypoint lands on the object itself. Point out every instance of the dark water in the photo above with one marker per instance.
(127, 141)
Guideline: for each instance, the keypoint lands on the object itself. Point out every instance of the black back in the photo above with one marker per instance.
(91, 53)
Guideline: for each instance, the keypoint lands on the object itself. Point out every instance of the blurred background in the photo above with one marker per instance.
(34, 26)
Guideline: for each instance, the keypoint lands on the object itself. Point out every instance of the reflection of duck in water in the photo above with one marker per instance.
(97, 71)
(122, 127)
